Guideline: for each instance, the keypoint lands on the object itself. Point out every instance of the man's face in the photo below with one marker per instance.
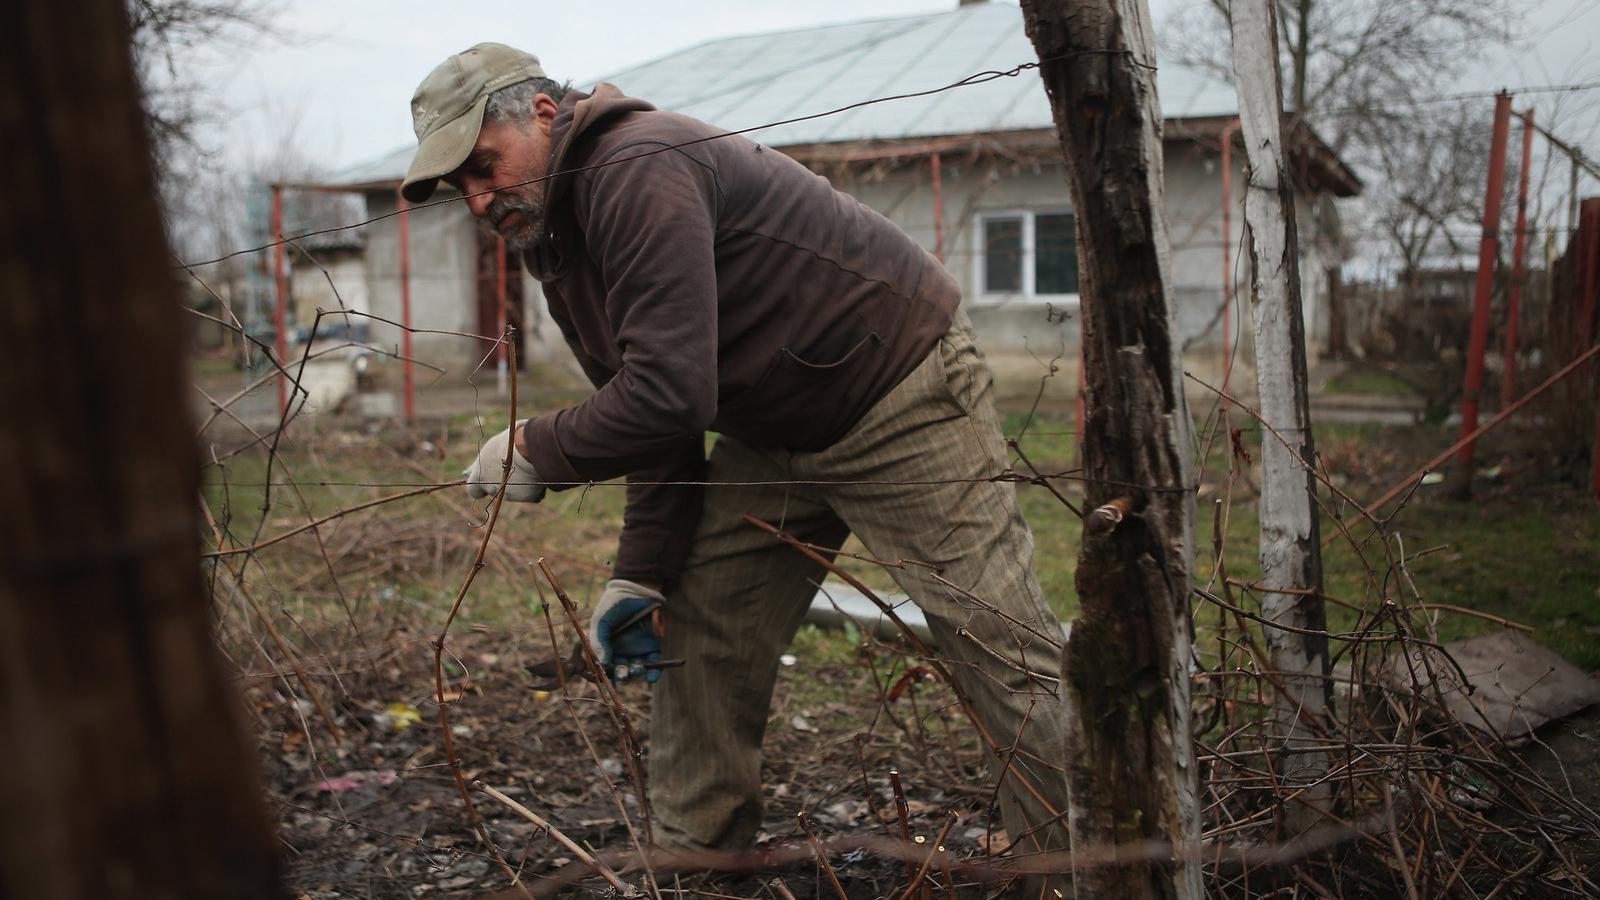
(495, 176)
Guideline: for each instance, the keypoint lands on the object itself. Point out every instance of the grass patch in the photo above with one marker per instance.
(214, 368)
(1533, 563)
(1369, 382)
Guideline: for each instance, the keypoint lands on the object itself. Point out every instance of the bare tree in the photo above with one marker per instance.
(282, 156)
(166, 36)
(171, 40)
(1431, 187)
(1359, 71)
(1351, 64)
(1130, 762)
(128, 772)
(1425, 203)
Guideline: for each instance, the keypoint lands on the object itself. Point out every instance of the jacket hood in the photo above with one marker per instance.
(578, 114)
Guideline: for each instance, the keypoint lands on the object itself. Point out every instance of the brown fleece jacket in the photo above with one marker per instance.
(708, 283)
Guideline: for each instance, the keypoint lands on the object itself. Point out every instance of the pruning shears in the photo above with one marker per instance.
(556, 670)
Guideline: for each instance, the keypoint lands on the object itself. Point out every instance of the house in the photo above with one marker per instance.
(973, 172)
(332, 274)
(1440, 281)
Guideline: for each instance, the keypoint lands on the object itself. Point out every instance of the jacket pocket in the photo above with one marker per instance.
(814, 361)
(964, 375)
(802, 403)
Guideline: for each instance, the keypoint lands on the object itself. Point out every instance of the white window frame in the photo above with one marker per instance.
(980, 259)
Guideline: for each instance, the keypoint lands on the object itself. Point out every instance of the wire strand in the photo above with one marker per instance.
(973, 79)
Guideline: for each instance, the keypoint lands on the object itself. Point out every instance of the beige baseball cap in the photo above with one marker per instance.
(447, 110)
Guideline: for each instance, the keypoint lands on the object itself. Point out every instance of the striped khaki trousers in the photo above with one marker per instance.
(909, 481)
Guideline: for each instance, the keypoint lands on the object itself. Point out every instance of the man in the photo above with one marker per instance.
(707, 283)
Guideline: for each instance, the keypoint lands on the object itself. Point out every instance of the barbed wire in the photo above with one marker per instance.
(1252, 798)
(1393, 104)
(973, 79)
(1434, 764)
(1427, 764)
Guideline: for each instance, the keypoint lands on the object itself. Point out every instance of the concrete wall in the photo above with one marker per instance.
(1010, 322)
(444, 253)
(311, 289)
(443, 279)
(444, 248)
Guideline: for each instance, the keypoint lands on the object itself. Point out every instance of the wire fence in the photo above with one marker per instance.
(1418, 796)
(332, 601)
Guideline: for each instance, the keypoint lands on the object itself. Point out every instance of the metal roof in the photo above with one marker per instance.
(740, 82)
(385, 172)
(745, 81)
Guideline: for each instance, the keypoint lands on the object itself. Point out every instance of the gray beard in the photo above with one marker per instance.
(525, 236)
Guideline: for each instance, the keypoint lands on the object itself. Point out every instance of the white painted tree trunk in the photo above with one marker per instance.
(1290, 549)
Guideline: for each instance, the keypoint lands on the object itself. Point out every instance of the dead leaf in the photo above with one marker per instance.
(350, 781)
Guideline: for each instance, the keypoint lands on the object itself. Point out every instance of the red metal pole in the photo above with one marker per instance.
(1594, 450)
(405, 302)
(1588, 283)
(1407, 483)
(1228, 131)
(500, 307)
(280, 290)
(1488, 254)
(1508, 378)
(938, 209)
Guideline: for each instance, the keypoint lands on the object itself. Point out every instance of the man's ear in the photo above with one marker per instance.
(544, 111)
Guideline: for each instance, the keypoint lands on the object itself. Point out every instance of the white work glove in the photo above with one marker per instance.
(483, 476)
(624, 649)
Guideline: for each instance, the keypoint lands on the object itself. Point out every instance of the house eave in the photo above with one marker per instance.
(1317, 165)
(1319, 168)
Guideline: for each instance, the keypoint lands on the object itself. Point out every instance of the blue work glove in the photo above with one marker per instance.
(624, 650)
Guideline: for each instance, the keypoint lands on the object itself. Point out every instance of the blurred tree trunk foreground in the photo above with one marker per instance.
(1130, 762)
(127, 772)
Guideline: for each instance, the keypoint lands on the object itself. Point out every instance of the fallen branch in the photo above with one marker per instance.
(595, 865)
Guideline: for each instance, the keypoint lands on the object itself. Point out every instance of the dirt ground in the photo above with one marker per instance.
(381, 816)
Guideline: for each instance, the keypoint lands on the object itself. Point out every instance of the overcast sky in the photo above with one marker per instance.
(345, 72)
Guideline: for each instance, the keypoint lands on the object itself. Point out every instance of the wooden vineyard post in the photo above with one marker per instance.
(1126, 668)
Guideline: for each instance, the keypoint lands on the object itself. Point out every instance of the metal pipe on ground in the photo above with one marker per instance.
(837, 605)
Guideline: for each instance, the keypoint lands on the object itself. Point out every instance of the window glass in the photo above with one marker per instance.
(1056, 260)
(1002, 255)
